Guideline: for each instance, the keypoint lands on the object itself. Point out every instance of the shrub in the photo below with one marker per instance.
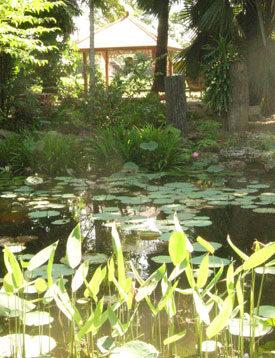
(57, 154)
(153, 149)
(16, 152)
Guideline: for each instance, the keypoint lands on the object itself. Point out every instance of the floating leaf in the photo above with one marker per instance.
(198, 247)
(25, 345)
(43, 214)
(244, 328)
(135, 349)
(57, 271)
(149, 146)
(162, 259)
(60, 222)
(266, 311)
(37, 318)
(95, 259)
(214, 261)
(33, 180)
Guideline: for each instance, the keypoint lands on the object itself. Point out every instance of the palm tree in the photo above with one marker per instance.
(159, 8)
(249, 24)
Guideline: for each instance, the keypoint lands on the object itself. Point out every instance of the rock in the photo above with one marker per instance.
(245, 154)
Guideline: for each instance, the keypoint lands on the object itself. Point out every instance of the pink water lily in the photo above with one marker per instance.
(195, 154)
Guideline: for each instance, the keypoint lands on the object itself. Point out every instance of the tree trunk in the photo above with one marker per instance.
(92, 50)
(161, 53)
(237, 116)
(176, 106)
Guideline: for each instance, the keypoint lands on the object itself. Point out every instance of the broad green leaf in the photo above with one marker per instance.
(238, 251)
(40, 285)
(8, 284)
(203, 272)
(115, 322)
(201, 307)
(80, 275)
(179, 229)
(230, 279)
(220, 321)
(13, 268)
(151, 283)
(65, 304)
(94, 285)
(178, 269)
(240, 296)
(174, 338)
(73, 247)
(177, 247)
(42, 256)
(206, 244)
(259, 257)
(190, 276)
(119, 256)
(213, 282)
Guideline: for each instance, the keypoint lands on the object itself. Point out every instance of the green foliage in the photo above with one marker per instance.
(49, 153)
(56, 153)
(16, 152)
(114, 146)
(21, 25)
(135, 75)
(216, 73)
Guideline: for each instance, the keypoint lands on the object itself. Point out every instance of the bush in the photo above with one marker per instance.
(16, 152)
(58, 154)
(153, 149)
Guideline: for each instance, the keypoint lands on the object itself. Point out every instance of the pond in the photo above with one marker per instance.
(37, 212)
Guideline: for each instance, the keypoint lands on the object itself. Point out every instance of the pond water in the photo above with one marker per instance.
(35, 212)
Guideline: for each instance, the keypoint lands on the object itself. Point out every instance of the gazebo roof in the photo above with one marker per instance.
(125, 33)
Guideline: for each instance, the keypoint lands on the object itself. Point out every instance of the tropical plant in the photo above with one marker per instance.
(56, 153)
(154, 149)
(219, 309)
(217, 75)
(248, 24)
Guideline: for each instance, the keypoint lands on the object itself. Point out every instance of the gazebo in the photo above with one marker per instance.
(126, 35)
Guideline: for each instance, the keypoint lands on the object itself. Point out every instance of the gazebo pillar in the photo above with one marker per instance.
(106, 59)
(84, 54)
(170, 66)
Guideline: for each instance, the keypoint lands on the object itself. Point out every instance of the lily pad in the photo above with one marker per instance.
(264, 210)
(200, 248)
(210, 346)
(149, 146)
(57, 271)
(60, 222)
(266, 311)
(43, 214)
(243, 328)
(214, 261)
(162, 259)
(37, 318)
(33, 180)
(25, 345)
(95, 259)
(135, 349)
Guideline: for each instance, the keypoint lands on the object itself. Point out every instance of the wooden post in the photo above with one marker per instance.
(85, 71)
(170, 64)
(176, 101)
(105, 55)
(237, 115)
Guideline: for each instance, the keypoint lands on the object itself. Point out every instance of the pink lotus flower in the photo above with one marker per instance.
(195, 155)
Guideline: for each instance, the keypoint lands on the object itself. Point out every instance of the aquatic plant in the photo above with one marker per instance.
(222, 307)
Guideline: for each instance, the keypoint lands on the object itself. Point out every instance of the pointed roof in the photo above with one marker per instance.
(125, 33)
